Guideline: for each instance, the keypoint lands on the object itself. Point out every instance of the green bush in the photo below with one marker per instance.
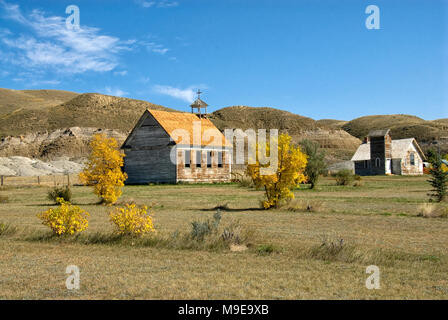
(316, 162)
(344, 177)
(438, 177)
(60, 192)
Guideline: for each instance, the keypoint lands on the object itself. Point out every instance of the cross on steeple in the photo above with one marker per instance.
(198, 104)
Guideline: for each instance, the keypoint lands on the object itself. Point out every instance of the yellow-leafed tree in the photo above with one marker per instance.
(279, 181)
(103, 170)
(444, 166)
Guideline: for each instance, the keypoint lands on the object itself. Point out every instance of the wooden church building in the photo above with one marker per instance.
(379, 155)
(171, 147)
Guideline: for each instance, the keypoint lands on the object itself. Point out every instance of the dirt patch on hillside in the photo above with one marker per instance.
(70, 142)
(23, 166)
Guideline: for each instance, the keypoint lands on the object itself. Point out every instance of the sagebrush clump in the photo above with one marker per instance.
(6, 229)
(60, 192)
(344, 177)
(334, 248)
(67, 219)
(213, 234)
(358, 181)
(303, 205)
(245, 182)
(431, 210)
(201, 229)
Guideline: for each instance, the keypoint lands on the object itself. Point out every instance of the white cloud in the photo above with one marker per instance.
(187, 94)
(55, 46)
(36, 83)
(121, 73)
(144, 80)
(114, 92)
(29, 82)
(158, 4)
(155, 47)
(167, 4)
(147, 4)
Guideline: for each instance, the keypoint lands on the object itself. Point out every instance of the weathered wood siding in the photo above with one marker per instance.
(407, 168)
(362, 168)
(203, 174)
(388, 146)
(396, 166)
(148, 154)
(377, 151)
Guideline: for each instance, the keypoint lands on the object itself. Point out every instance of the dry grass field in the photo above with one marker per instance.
(377, 221)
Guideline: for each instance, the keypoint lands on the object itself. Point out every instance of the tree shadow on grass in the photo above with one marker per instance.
(73, 203)
(226, 208)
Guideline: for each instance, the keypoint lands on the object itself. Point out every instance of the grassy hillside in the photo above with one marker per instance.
(85, 110)
(428, 133)
(402, 126)
(338, 144)
(31, 111)
(244, 117)
(331, 123)
(16, 100)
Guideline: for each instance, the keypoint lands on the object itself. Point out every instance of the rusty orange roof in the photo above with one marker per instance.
(178, 124)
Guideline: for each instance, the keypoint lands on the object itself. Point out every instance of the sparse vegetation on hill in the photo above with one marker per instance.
(338, 144)
(17, 100)
(85, 110)
(331, 123)
(402, 126)
(244, 117)
(25, 112)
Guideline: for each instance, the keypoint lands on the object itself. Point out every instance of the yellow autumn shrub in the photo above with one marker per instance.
(278, 183)
(132, 220)
(103, 169)
(67, 219)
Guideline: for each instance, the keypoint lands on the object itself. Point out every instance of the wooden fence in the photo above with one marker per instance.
(50, 180)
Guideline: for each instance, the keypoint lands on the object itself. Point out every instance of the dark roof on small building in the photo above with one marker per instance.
(379, 133)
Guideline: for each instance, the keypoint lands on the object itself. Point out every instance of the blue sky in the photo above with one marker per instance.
(315, 58)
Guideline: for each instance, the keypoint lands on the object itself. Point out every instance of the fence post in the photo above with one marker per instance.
(38, 180)
(68, 180)
(2, 181)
